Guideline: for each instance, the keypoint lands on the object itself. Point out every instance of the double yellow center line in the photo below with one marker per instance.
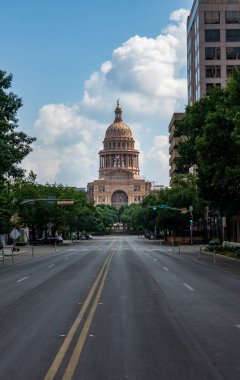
(98, 285)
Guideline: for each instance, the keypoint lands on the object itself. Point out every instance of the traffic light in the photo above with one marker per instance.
(191, 220)
(152, 208)
(164, 206)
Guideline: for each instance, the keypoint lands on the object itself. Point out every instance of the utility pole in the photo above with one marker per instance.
(191, 224)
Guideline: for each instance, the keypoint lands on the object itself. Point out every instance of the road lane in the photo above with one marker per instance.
(69, 337)
(33, 325)
(152, 315)
(38, 270)
(153, 326)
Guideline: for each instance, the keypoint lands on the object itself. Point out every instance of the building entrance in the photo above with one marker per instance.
(119, 198)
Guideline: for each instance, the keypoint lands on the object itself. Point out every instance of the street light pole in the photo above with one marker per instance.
(191, 224)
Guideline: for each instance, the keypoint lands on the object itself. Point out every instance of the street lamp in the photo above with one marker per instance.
(191, 224)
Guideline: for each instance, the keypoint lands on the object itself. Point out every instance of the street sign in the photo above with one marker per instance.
(184, 210)
(65, 202)
(15, 233)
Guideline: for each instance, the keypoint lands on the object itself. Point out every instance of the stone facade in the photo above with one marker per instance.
(119, 180)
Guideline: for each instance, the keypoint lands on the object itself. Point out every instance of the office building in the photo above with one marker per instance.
(213, 52)
(173, 146)
(213, 45)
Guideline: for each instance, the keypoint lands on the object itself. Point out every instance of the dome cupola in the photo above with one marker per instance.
(118, 151)
(118, 128)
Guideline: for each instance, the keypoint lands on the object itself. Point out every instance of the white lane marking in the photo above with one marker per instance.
(188, 287)
(154, 259)
(238, 326)
(99, 249)
(51, 266)
(22, 279)
(166, 269)
(66, 258)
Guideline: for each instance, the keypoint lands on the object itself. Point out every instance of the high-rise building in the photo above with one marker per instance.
(213, 45)
(173, 146)
(213, 52)
(119, 180)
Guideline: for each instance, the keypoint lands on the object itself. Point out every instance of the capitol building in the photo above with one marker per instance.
(119, 181)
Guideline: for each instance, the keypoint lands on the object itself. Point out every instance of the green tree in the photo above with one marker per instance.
(14, 145)
(64, 219)
(132, 217)
(218, 151)
(106, 216)
(192, 126)
(212, 139)
(184, 193)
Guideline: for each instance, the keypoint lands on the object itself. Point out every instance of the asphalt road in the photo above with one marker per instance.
(118, 308)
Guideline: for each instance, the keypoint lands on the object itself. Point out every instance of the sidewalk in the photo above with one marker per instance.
(8, 256)
(198, 252)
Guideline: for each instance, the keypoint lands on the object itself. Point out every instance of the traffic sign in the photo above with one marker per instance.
(65, 202)
(184, 210)
(15, 233)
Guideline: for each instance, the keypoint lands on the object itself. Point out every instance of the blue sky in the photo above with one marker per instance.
(72, 59)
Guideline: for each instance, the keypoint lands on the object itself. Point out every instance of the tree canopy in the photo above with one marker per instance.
(211, 128)
(81, 216)
(182, 195)
(14, 145)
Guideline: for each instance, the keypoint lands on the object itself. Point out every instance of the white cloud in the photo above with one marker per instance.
(158, 160)
(146, 74)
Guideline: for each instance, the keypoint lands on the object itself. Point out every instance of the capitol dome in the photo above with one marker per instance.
(118, 128)
(119, 183)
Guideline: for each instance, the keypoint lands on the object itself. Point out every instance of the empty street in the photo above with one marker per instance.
(118, 307)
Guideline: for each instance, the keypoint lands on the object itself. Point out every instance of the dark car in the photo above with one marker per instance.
(39, 241)
(48, 240)
(56, 239)
(149, 236)
(87, 237)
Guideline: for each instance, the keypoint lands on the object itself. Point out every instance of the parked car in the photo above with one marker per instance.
(56, 239)
(42, 240)
(87, 236)
(83, 237)
(149, 236)
(48, 240)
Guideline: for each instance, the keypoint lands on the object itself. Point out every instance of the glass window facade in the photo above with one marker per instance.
(212, 35)
(212, 17)
(233, 52)
(213, 71)
(232, 35)
(231, 69)
(232, 17)
(212, 53)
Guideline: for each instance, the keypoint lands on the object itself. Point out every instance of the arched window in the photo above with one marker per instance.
(119, 198)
